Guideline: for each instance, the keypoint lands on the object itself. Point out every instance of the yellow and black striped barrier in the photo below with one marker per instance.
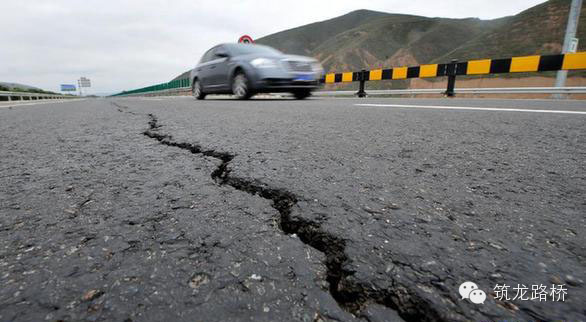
(537, 63)
(473, 67)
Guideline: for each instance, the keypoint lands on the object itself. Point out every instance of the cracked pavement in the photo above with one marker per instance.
(172, 209)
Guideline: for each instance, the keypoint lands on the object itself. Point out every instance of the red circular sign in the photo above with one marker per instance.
(246, 39)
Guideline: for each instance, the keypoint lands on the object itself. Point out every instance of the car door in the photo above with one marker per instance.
(222, 60)
(219, 69)
(203, 69)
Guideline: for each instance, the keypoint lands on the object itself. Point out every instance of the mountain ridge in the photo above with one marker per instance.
(373, 39)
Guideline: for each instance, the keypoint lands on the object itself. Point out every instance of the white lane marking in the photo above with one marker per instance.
(473, 108)
(42, 102)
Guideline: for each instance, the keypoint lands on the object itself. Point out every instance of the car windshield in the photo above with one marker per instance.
(246, 49)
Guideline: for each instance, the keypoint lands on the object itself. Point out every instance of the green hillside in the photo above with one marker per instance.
(15, 87)
(366, 39)
(369, 39)
(538, 30)
(303, 40)
(395, 40)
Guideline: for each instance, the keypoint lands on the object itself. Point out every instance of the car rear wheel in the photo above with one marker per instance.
(302, 94)
(240, 86)
(197, 90)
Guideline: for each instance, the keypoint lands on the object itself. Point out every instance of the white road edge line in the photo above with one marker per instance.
(42, 102)
(473, 108)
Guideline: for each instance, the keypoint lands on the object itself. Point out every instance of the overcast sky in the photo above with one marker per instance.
(126, 44)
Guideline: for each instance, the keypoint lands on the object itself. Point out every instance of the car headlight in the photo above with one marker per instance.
(317, 67)
(263, 63)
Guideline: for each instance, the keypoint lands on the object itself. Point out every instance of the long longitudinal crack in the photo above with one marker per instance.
(351, 296)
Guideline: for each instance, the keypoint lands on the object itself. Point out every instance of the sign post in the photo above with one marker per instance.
(570, 41)
(83, 82)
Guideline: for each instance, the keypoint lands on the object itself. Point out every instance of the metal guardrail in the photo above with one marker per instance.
(502, 90)
(176, 84)
(420, 91)
(160, 92)
(536, 63)
(524, 64)
(22, 96)
(524, 90)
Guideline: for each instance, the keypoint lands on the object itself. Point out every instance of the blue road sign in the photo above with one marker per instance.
(67, 88)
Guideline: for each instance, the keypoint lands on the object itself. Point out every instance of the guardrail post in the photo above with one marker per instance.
(452, 71)
(362, 78)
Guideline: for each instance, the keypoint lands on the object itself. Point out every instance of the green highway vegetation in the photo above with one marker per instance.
(373, 39)
(13, 87)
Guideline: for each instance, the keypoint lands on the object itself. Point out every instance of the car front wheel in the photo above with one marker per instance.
(240, 86)
(197, 90)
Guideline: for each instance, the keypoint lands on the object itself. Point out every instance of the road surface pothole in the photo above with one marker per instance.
(350, 295)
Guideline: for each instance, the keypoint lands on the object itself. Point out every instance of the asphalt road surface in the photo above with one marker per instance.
(171, 209)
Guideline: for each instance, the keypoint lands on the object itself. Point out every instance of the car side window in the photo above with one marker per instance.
(219, 49)
(209, 55)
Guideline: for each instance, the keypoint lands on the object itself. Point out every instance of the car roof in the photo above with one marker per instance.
(236, 45)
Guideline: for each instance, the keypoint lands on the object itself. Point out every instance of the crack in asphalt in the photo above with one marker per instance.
(123, 109)
(350, 295)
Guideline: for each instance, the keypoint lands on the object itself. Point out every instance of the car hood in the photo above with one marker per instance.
(299, 58)
(278, 57)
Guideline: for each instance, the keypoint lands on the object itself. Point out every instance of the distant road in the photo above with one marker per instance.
(276, 209)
